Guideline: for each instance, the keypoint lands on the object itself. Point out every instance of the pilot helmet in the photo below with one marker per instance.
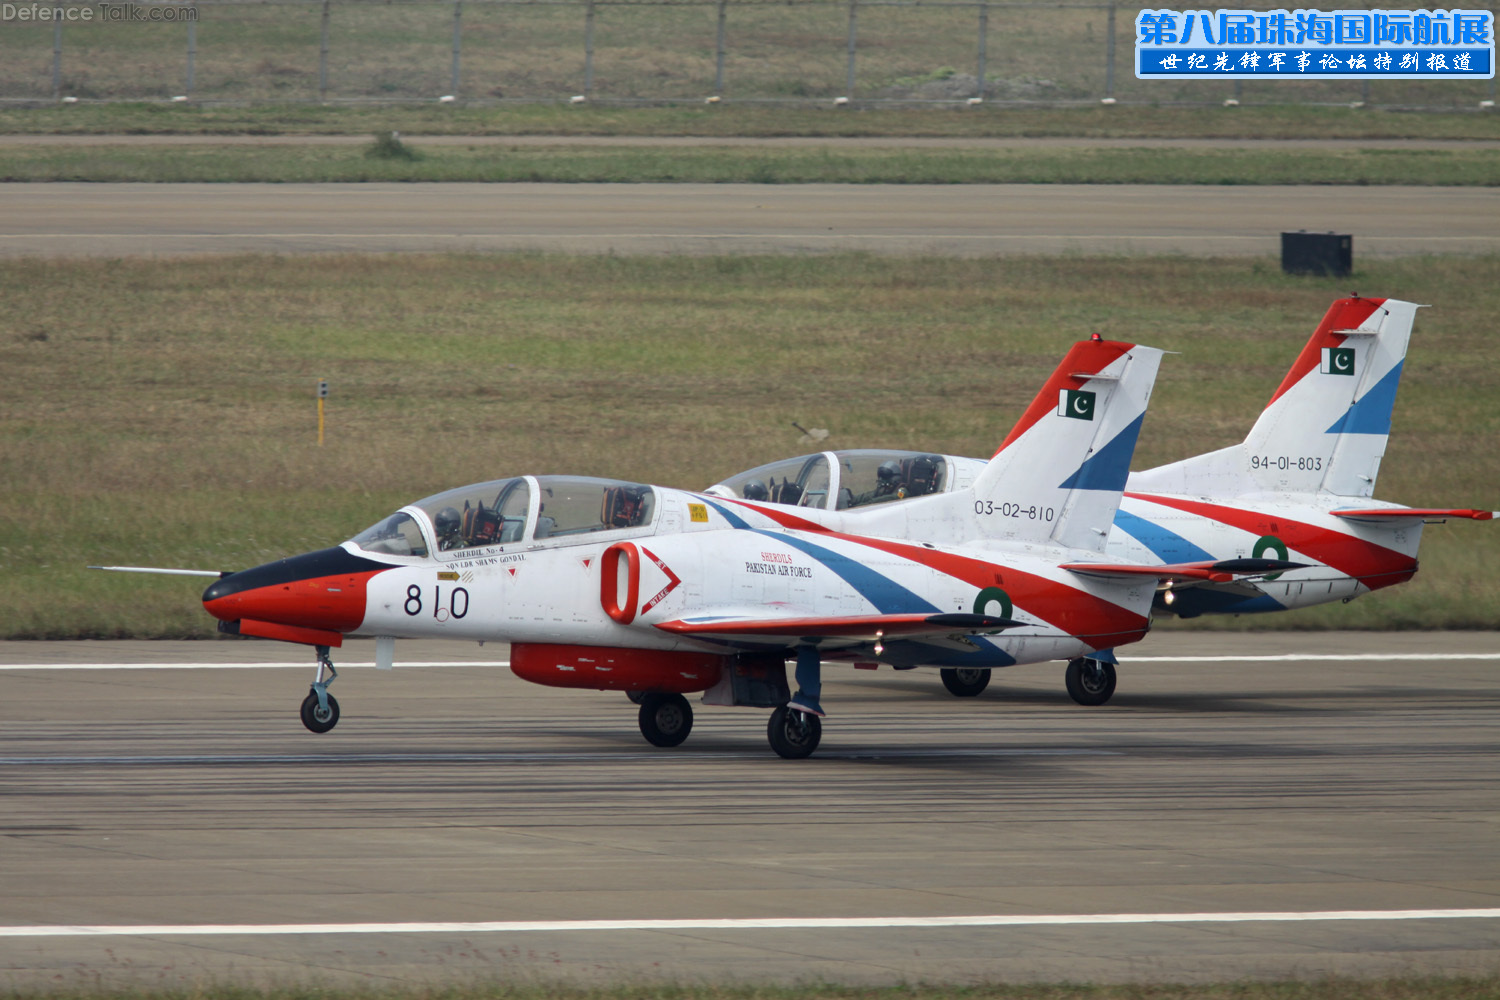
(755, 490)
(446, 522)
(889, 469)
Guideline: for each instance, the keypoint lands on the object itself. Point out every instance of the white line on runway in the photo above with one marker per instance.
(1273, 658)
(753, 923)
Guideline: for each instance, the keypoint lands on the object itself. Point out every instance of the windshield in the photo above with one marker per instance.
(397, 535)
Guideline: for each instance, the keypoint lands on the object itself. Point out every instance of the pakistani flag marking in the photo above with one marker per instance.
(1338, 361)
(1075, 403)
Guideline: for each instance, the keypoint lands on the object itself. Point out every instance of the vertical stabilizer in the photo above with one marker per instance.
(1326, 426)
(1059, 474)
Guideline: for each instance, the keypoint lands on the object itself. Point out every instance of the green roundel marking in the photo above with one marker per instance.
(989, 594)
(1272, 544)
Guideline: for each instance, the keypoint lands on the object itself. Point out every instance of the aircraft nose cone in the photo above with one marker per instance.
(319, 590)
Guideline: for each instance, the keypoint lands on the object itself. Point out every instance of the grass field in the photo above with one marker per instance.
(1415, 988)
(786, 51)
(768, 165)
(162, 413)
(1136, 121)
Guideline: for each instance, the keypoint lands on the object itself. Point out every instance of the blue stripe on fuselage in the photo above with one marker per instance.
(888, 596)
(1167, 546)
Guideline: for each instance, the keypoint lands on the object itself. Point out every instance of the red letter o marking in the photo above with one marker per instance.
(609, 582)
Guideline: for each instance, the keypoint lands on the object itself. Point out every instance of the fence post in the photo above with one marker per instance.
(719, 49)
(1109, 55)
(588, 49)
(57, 60)
(192, 52)
(849, 82)
(984, 24)
(458, 9)
(323, 56)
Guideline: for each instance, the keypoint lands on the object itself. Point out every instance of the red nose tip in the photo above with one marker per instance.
(322, 590)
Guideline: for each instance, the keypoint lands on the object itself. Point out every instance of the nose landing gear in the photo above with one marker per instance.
(320, 710)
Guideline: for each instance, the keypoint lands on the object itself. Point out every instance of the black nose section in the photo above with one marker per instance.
(309, 566)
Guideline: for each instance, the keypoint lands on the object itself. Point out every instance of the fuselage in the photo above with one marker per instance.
(552, 569)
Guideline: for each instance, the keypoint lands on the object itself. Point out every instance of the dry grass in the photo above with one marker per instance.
(162, 413)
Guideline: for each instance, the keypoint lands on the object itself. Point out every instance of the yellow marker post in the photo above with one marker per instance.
(322, 395)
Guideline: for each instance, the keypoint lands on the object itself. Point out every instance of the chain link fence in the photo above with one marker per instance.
(622, 51)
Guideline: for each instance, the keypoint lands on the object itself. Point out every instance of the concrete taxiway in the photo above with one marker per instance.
(115, 220)
(1294, 804)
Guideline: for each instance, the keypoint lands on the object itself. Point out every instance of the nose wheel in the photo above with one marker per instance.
(320, 710)
(320, 716)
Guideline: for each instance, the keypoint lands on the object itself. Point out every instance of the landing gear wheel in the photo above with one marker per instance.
(964, 682)
(666, 719)
(636, 697)
(1090, 682)
(316, 719)
(794, 734)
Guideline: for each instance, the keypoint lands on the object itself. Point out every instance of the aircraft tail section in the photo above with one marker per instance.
(1326, 426)
(1059, 474)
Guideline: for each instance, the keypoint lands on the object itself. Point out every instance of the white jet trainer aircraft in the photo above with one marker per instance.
(1298, 487)
(622, 586)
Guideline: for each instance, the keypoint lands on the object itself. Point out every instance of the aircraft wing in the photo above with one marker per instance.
(1209, 570)
(1425, 513)
(852, 630)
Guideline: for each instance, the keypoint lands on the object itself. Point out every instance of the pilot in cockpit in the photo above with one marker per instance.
(446, 524)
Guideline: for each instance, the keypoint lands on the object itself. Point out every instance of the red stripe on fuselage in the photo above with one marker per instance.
(1066, 608)
(1373, 565)
(1345, 314)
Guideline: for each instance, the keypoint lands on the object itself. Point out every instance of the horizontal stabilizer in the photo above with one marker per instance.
(1215, 571)
(849, 630)
(1425, 513)
(167, 572)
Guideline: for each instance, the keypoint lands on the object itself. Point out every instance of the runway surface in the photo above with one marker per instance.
(68, 219)
(1239, 809)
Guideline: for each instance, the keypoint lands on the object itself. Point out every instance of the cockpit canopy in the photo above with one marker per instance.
(509, 511)
(850, 478)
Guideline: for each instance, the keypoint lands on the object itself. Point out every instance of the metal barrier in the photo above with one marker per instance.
(621, 51)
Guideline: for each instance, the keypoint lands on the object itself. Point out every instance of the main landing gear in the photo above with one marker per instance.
(320, 710)
(965, 682)
(1090, 681)
(794, 733)
(665, 719)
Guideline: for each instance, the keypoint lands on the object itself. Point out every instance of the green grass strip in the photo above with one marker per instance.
(1122, 121)
(648, 164)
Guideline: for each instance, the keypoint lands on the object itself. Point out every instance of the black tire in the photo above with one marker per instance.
(1090, 682)
(636, 697)
(666, 719)
(965, 682)
(315, 720)
(794, 734)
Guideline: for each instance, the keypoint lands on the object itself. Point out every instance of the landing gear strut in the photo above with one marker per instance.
(320, 710)
(1090, 681)
(666, 719)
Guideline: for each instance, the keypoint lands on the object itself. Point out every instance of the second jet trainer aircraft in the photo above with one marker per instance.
(1299, 488)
